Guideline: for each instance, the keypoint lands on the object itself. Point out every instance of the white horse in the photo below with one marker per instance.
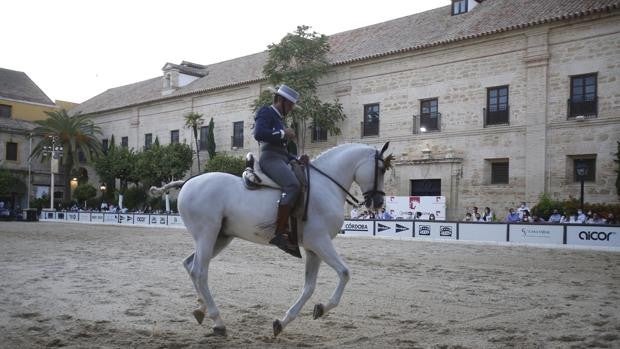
(217, 207)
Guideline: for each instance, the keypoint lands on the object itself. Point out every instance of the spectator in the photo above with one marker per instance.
(595, 219)
(467, 217)
(431, 217)
(521, 210)
(418, 215)
(564, 218)
(581, 217)
(384, 215)
(512, 216)
(536, 219)
(526, 216)
(354, 214)
(611, 219)
(477, 217)
(573, 219)
(474, 211)
(555, 217)
(487, 216)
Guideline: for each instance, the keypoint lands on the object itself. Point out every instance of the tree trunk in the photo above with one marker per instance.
(197, 147)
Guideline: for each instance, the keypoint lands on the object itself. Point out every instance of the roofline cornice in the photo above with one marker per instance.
(27, 102)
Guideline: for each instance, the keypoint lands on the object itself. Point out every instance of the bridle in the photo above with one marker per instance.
(368, 195)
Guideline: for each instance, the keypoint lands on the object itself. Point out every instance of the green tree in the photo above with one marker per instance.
(211, 140)
(226, 163)
(84, 192)
(76, 134)
(117, 163)
(7, 181)
(161, 164)
(193, 121)
(299, 60)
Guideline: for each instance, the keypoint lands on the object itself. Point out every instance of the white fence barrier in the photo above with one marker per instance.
(606, 236)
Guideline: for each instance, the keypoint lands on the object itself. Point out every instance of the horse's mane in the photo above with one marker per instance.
(345, 145)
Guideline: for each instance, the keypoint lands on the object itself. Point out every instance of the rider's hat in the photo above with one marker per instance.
(287, 92)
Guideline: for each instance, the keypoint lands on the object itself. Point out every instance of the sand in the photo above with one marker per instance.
(98, 286)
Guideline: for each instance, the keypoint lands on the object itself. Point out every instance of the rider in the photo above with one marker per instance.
(273, 136)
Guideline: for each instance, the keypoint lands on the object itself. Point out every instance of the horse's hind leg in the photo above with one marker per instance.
(312, 270)
(206, 248)
(326, 251)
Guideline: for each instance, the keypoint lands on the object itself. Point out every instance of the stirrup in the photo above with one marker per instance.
(282, 243)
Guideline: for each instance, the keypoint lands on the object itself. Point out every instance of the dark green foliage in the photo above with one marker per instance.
(84, 192)
(7, 182)
(163, 164)
(211, 140)
(545, 206)
(135, 198)
(193, 121)
(299, 60)
(226, 163)
(118, 163)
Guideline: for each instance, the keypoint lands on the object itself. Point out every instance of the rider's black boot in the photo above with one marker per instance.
(282, 233)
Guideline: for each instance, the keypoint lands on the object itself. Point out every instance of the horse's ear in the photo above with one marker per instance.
(385, 146)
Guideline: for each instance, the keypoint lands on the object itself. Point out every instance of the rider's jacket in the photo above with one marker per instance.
(269, 127)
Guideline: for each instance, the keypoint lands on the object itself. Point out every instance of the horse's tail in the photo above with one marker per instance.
(160, 190)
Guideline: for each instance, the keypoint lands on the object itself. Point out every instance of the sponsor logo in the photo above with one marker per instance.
(162, 220)
(356, 227)
(96, 217)
(72, 216)
(61, 215)
(154, 220)
(595, 235)
(445, 230)
(424, 230)
(141, 219)
(535, 233)
(50, 215)
(383, 227)
(400, 228)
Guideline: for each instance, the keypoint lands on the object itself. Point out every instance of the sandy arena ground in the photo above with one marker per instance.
(97, 286)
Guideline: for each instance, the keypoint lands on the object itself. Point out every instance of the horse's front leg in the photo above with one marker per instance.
(312, 270)
(326, 251)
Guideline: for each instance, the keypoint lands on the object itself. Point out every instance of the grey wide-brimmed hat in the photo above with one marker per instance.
(286, 92)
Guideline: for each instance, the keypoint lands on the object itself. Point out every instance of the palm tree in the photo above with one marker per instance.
(193, 121)
(75, 134)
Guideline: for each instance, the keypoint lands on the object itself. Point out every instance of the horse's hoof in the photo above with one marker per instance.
(277, 328)
(199, 315)
(318, 311)
(219, 331)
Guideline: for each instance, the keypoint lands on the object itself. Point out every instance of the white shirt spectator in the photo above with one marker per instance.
(354, 214)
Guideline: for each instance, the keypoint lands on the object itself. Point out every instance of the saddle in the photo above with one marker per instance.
(254, 178)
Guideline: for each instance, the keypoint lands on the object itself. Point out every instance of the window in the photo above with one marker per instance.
(148, 140)
(237, 138)
(104, 145)
(11, 151)
(370, 125)
(5, 111)
(319, 134)
(590, 165)
(496, 112)
(459, 6)
(174, 136)
(125, 142)
(429, 117)
(583, 99)
(425, 187)
(499, 172)
(204, 137)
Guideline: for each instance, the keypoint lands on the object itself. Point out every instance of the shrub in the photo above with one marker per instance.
(544, 208)
(226, 163)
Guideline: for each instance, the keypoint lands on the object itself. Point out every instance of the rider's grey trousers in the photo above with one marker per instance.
(274, 162)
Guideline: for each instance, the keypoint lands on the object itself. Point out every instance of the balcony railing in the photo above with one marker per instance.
(236, 141)
(497, 117)
(426, 123)
(369, 129)
(585, 108)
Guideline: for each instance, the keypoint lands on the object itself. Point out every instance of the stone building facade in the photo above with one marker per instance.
(489, 107)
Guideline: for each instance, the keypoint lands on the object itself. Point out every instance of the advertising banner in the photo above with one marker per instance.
(84, 216)
(358, 227)
(483, 232)
(435, 230)
(48, 215)
(60, 216)
(141, 219)
(96, 217)
(536, 233)
(175, 221)
(72, 216)
(110, 218)
(406, 207)
(593, 235)
(125, 218)
(157, 219)
(397, 228)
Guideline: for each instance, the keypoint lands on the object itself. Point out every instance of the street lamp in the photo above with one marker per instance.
(582, 171)
(55, 151)
(102, 188)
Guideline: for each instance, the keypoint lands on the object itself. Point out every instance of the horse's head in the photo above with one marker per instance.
(369, 176)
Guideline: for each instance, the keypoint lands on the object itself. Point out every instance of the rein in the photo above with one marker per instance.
(367, 195)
